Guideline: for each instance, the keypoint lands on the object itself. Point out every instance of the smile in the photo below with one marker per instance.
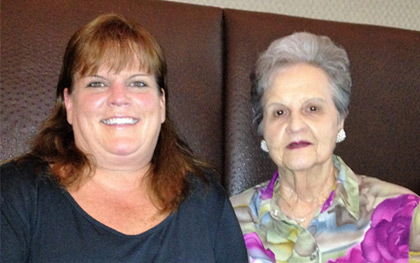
(120, 121)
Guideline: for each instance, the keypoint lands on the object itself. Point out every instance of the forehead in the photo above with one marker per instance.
(116, 55)
(299, 82)
(113, 66)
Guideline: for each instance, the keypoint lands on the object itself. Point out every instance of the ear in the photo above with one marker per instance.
(69, 106)
(162, 106)
(341, 124)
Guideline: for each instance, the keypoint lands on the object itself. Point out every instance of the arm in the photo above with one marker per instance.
(230, 245)
(15, 231)
(14, 236)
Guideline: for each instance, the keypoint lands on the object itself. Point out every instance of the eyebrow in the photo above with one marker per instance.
(95, 76)
(141, 75)
(274, 104)
(130, 77)
(316, 100)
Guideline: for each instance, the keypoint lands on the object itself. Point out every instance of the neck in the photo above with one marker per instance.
(307, 186)
(117, 180)
(303, 193)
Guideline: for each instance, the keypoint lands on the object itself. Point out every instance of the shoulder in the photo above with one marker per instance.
(367, 185)
(206, 204)
(22, 179)
(22, 192)
(208, 223)
(207, 198)
(247, 204)
(244, 198)
(23, 171)
(376, 195)
(16, 173)
(206, 188)
(381, 189)
(393, 206)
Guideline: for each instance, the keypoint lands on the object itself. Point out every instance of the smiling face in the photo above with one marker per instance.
(116, 117)
(300, 120)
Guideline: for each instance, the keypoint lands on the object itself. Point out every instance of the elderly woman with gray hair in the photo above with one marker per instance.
(315, 208)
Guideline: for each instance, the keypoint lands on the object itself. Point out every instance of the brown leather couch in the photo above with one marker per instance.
(211, 53)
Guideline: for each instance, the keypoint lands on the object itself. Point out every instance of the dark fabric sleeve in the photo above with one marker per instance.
(228, 242)
(15, 230)
(14, 236)
(230, 245)
(213, 223)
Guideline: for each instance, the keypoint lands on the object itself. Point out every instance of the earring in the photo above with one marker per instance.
(341, 136)
(264, 146)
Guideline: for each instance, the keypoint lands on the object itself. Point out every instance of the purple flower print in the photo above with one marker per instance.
(387, 239)
(353, 256)
(256, 250)
(328, 202)
(268, 192)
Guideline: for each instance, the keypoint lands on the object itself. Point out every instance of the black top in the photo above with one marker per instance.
(41, 222)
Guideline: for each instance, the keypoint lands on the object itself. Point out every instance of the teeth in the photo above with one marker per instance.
(120, 121)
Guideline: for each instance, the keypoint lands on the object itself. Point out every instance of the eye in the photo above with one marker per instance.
(96, 84)
(278, 112)
(137, 84)
(313, 108)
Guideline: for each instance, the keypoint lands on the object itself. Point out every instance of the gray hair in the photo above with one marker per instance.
(302, 47)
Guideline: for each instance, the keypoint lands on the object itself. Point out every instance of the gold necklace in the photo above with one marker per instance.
(301, 220)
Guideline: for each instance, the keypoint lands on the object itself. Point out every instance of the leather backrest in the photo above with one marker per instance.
(34, 34)
(211, 53)
(383, 126)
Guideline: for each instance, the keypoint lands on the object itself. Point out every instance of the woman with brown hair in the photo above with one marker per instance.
(108, 179)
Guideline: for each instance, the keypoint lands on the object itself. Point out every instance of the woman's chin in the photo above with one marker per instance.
(299, 167)
(299, 164)
(123, 149)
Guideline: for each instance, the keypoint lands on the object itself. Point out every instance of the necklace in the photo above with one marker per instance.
(302, 219)
(299, 219)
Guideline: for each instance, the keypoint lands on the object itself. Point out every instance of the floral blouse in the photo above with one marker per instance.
(363, 220)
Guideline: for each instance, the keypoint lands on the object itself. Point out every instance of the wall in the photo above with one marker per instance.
(392, 13)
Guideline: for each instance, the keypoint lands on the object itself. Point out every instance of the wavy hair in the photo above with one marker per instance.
(119, 43)
(302, 47)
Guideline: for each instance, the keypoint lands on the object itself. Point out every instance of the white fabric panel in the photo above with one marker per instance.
(392, 13)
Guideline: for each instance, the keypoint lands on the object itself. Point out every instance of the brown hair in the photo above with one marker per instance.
(113, 40)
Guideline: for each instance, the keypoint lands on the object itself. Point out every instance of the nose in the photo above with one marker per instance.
(118, 95)
(296, 122)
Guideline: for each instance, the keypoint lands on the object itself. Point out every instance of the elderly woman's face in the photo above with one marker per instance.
(300, 120)
(116, 117)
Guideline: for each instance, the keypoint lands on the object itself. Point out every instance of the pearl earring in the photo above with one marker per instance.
(341, 136)
(264, 146)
